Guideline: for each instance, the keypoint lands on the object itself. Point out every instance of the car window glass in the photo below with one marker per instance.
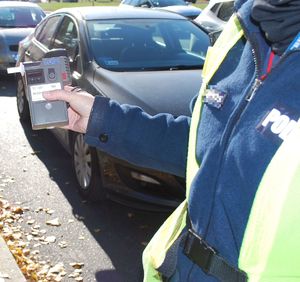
(147, 44)
(20, 16)
(225, 11)
(215, 8)
(67, 37)
(165, 3)
(46, 31)
(144, 3)
(134, 2)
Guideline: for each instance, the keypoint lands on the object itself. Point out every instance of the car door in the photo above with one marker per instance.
(66, 37)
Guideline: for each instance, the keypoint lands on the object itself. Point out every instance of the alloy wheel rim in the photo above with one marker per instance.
(82, 162)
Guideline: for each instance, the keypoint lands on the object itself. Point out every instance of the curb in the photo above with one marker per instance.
(9, 269)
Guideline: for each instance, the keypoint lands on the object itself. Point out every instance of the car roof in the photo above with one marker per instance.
(18, 4)
(114, 12)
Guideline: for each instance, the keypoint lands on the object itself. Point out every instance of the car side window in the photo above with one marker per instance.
(135, 3)
(225, 11)
(215, 8)
(145, 3)
(46, 31)
(67, 37)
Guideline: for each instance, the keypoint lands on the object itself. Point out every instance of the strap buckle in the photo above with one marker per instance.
(197, 250)
(207, 258)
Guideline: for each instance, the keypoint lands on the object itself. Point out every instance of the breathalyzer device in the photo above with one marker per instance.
(51, 73)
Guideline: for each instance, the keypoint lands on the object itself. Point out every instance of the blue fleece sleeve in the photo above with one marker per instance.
(126, 132)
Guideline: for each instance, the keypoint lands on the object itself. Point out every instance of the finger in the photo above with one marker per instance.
(57, 95)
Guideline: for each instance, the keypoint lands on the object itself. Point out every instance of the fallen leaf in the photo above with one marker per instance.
(63, 244)
(38, 209)
(53, 222)
(48, 211)
(57, 268)
(30, 222)
(50, 239)
(77, 265)
(73, 275)
(4, 275)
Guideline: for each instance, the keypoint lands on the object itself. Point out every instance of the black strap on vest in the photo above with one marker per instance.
(198, 251)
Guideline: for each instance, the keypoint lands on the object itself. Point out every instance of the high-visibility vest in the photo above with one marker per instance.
(271, 245)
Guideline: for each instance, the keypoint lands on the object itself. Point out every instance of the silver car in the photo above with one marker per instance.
(17, 20)
(215, 15)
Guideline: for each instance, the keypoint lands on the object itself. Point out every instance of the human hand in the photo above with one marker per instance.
(80, 108)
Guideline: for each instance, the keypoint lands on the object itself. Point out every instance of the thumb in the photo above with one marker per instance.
(57, 95)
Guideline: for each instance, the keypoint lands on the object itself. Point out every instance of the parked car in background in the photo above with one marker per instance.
(215, 15)
(149, 58)
(177, 6)
(17, 20)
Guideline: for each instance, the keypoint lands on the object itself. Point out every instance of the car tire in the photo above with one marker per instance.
(22, 103)
(87, 170)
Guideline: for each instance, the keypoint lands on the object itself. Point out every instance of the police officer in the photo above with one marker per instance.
(239, 221)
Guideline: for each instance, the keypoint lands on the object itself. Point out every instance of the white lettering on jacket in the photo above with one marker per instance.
(280, 124)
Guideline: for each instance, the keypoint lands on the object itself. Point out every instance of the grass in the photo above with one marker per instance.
(52, 6)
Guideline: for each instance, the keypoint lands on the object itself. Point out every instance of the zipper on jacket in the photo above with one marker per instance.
(258, 81)
(253, 89)
(239, 110)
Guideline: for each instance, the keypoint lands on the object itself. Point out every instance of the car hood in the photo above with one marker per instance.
(185, 10)
(154, 91)
(12, 36)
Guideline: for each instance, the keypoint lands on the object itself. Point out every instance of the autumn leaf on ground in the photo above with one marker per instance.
(53, 222)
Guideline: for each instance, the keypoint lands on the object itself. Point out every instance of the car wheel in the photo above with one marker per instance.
(87, 170)
(22, 103)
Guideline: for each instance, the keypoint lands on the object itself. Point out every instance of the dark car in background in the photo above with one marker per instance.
(17, 20)
(149, 58)
(180, 7)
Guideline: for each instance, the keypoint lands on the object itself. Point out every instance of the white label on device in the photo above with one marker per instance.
(37, 90)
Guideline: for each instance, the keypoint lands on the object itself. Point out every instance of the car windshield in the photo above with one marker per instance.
(165, 3)
(20, 16)
(147, 44)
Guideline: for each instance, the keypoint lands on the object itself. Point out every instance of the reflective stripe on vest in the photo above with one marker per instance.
(155, 252)
(271, 245)
(214, 58)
